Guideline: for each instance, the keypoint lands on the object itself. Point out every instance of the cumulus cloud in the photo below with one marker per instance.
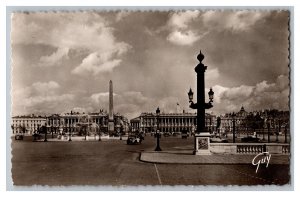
(126, 103)
(183, 38)
(161, 69)
(34, 101)
(40, 97)
(101, 98)
(182, 19)
(238, 92)
(133, 97)
(235, 21)
(87, 31)
(36, 89)
(180, 33)
(282, 82)
(96, 63)
(212, 74)
(54, 58)
(263, 95)
(44, 87)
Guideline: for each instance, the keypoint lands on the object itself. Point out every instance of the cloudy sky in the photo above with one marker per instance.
(63, 61)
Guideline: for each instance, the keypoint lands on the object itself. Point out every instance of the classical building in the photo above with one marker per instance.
(170, 122)
(28, 124)
(277, 121)
(227, 121)
(73, 121)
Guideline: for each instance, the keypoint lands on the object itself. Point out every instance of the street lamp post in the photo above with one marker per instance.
(268, 125)
(264, 132)
(45, 130)
(70, 132)
(100, 132)
(101, 125)
(279, 127)
(201, 105)
(285, 133)
(157, 130)
(51, 131)
(233, 126)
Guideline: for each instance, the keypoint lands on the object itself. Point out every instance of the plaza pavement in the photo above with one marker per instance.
(186, 156)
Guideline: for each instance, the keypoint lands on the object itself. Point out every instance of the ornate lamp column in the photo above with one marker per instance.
(157, 130)
(45, 130)
(268, 126)
(285, 133)
(202, 136)
(70, 132)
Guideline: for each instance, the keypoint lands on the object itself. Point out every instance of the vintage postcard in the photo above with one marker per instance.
(128, 98)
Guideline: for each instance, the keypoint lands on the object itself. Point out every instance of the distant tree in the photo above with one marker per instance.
(22, 128)
(42, 129)
(218, 122)
(254, 122)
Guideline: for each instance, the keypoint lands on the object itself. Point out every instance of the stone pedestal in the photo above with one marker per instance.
(111, 127)
(202, 144)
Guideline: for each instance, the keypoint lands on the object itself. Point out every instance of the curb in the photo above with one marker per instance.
(145, 160)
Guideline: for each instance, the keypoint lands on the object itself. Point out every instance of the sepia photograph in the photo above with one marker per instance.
(128, 98)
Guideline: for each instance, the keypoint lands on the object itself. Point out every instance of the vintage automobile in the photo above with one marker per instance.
(134, 139)
(184, 134)
(167, 134)
(250, 138)
(176, 133)
(218, 139)
(18, 137)
(36, 136)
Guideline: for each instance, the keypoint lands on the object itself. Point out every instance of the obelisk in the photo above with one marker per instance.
(111, 125)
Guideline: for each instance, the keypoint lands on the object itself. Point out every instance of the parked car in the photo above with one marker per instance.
(36, 136)
(218, 139)
(167, 134)
(18, 137)
(141, 135)
(184, 134)
(134, 139)
(250, 138)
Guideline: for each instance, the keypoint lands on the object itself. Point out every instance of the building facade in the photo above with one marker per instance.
(27, 125)
(69, 122)
(256, 121)
(170, 122)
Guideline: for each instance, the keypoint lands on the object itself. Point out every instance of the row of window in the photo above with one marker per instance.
(28, 121)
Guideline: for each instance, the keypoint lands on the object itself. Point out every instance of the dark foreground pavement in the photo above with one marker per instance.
(113, 163)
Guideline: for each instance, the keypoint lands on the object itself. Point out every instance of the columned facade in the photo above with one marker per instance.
(27, 125)
(68, 122)
(171, 122)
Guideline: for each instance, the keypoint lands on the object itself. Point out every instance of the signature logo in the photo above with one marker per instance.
(261, 158)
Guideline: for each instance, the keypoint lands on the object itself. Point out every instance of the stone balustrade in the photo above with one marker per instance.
(249, 148)
(286, 149)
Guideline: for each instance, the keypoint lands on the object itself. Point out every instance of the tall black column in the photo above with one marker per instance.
(200, 69)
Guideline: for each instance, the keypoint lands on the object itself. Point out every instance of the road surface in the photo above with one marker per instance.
(113, 163)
